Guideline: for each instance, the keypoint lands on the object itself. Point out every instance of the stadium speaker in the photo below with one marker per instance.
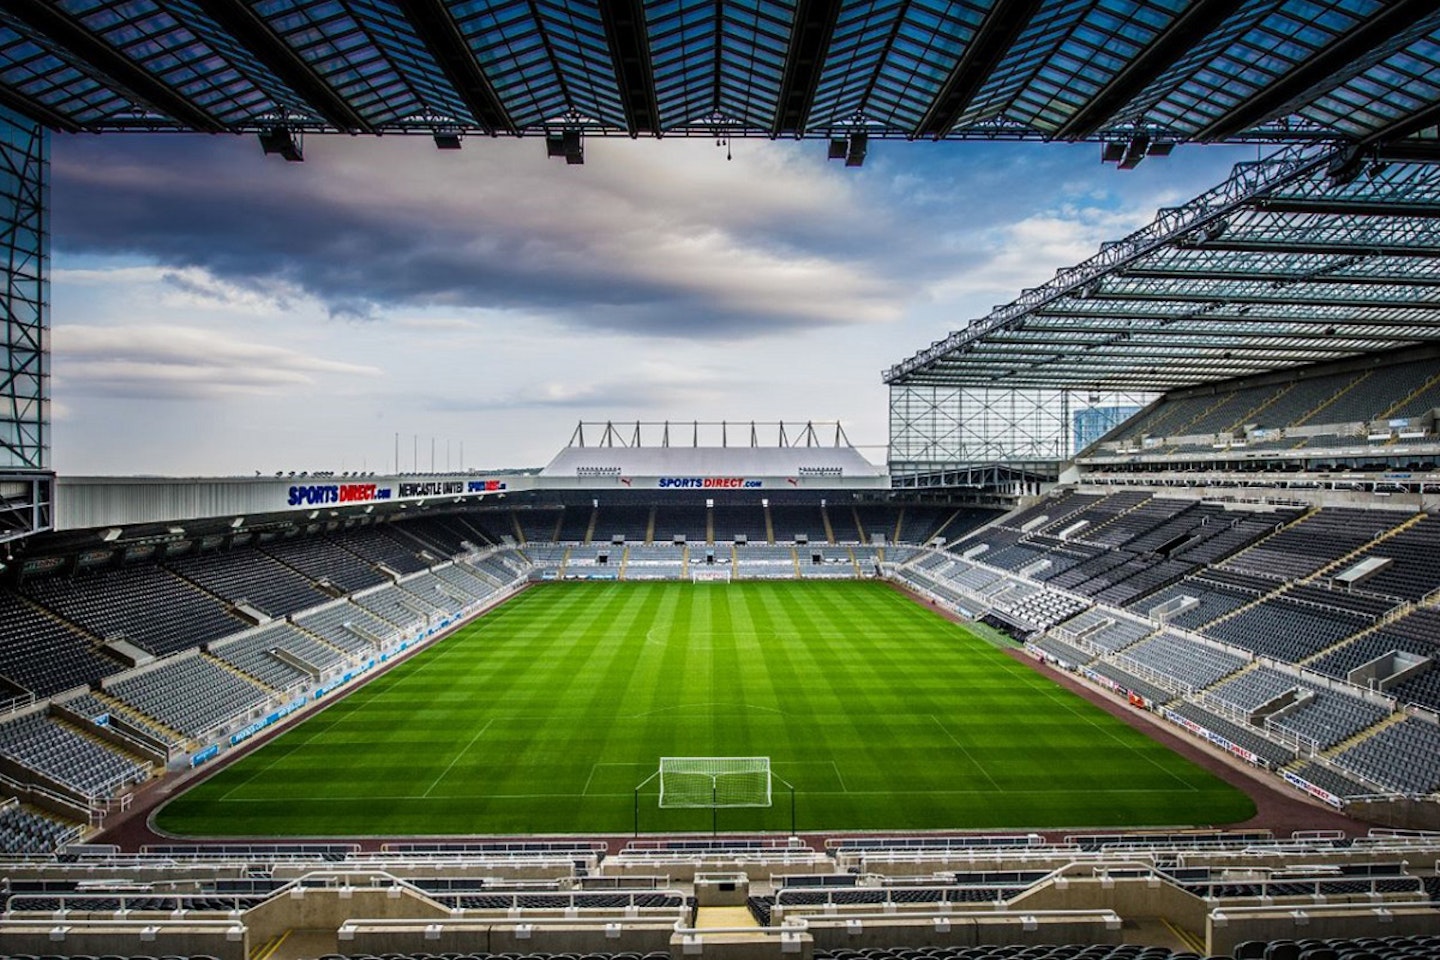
(855, 157)
(281, 140)
(447, 141)
(554, 145)
(838, 149)
(1135, 151)
(574, 147)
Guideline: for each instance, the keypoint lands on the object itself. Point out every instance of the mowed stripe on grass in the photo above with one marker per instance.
(544, 715)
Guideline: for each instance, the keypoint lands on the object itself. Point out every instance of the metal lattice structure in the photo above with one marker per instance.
(1312, 255)
(25, 363)
(1140, 76)
(1281, 265)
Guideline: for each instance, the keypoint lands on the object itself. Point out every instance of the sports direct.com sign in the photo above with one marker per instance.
(708, 483)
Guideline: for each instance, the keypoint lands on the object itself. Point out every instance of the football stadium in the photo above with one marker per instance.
(1127, 648)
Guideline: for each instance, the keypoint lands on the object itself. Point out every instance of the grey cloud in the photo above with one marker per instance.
(637, 247)
(163, 362)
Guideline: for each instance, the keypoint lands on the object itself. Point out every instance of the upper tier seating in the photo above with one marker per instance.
(874, 520)
(150, 607)
(379, 545)
(1337, 398)
(443, 536)
(43, 654)
(245, 574)
(733, 520)
(688, 521)
(539, 525)
(632, 522)
(574, 523)
(324, 561)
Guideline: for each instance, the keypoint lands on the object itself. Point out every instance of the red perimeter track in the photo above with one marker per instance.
(1278, 808)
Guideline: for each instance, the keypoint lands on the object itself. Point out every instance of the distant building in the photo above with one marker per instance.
(1092, 423)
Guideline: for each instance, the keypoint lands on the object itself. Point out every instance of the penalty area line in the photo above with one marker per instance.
(464, 750)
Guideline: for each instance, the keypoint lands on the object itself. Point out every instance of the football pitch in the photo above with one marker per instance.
(544, 715)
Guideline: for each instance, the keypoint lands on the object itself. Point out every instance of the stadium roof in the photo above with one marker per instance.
(1313, 254)
(1138, 75)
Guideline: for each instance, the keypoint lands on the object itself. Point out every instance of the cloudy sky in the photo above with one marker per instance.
(216, 311)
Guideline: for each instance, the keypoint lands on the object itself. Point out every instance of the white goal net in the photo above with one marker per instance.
(709, 574)
(714, 782)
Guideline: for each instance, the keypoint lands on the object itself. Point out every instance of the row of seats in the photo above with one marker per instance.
(25, 829)
(192, 695)
(1337, 398)
(57, 751)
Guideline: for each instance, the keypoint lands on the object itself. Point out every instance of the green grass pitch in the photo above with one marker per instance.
(544, 715)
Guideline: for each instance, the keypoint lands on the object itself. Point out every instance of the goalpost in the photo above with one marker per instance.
(714, 783)
(705, 573)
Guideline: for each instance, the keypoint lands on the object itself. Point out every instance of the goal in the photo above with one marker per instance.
(714, 782)
(709, 574)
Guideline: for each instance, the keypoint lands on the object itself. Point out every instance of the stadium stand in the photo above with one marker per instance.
(44, 655)
(541, 525)
(574, 526)
(1316, 541)
(248, 576)
(629, 522)
(24, 829)
(278, 656)
(1242, 735)
(1285, 629)
(147, 606)
(732, 521)
(688, 521)
(347, 626)
(1191, 665)
(192, 694)
(1404, 757)
(60, 753)
(397, 606)
(377, 545)
(326, 563)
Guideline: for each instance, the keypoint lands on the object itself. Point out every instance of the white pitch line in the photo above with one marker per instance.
(957, 743)
(816, 793)
(462, 753)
